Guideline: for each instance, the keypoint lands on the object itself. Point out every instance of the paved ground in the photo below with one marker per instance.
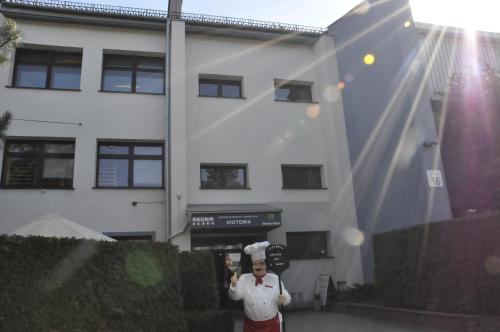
(311, 321)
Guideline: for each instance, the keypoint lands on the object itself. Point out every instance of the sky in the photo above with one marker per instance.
(475, 15)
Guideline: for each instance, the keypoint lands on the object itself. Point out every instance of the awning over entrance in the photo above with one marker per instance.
(233, 217)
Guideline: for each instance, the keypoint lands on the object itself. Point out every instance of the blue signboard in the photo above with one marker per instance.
(206, 221)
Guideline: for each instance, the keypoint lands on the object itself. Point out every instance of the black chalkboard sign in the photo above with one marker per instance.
(277, 258)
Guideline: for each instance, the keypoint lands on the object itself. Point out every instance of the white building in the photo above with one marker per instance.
(208, 132)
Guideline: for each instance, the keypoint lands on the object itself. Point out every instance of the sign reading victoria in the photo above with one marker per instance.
(207, 221)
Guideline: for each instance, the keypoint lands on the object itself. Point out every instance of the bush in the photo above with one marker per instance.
(210, 321)
(450, 266)
(198, 284)
(51, 284)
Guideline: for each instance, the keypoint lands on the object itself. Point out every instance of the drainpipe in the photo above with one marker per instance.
(168, 189)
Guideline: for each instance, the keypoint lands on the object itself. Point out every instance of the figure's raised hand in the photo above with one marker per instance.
(234, 279)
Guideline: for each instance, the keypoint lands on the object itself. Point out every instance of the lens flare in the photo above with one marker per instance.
(313, 111)
(143, 268)
(362, 8)
(331, 93)
(354, 237)
(407, 24)
(349, 78)
(369, 59)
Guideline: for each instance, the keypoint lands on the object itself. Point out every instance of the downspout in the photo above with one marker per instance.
(168, 190)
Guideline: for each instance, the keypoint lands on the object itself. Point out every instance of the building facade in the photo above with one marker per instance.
(208, 133)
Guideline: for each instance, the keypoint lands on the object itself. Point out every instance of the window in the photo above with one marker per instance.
(306, 245)
(292, 91)
(47, 69)
(301, 177)
(38, 164)
(134, 74)
(129, 165)
(228, 87)
(223, 176)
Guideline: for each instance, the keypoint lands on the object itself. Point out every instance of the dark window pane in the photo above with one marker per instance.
(31, 76)
(59, 148)
(118, 61)
(113, 173)
(208, 89)
(150, 63)
(282, 93)
(149, 82)
(306, 245)
(65, 78)
(32, 56)
(114, 149)
(301, 177)
(293, 92)
(57, 173)
(148, 150)
(231, 90)
(117, 80)
(222, 177)
(233, 178)
(22, 147)
(68, 59)
(148, 173)
(21, 172)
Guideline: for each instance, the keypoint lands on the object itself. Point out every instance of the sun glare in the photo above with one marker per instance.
(472, 16)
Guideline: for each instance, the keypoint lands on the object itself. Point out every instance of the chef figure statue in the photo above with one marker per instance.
(260, 292)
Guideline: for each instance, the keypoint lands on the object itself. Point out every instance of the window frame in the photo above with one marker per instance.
(49, 65)
(220, 82)
(319, 168)
(134, 69)
(39, 155)
(304, 254)
(244, 167)
(279, 84)
(131, 158)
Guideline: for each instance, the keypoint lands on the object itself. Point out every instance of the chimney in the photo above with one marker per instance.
(174, 7)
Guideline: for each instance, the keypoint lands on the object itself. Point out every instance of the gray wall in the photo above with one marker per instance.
(388, 117)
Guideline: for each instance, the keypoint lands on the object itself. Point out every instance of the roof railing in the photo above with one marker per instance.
(90, 8)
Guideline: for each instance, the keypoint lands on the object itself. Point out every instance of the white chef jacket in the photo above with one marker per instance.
(259, 302)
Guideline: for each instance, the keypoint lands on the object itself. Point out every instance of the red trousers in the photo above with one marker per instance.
(271, 325)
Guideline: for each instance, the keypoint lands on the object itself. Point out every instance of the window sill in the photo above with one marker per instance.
(129, 188)
(222, 97)
(297, 101)
(246, 188)
(134, 93)
(25, 188)
(50, 89)
(323, 188)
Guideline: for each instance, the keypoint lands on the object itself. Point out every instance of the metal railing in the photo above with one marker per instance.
(89, 8)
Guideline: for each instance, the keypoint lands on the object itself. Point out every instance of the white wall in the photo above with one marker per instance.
(265, 133)
(103, 115)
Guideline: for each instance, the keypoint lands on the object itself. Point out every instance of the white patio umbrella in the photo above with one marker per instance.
(53, 225)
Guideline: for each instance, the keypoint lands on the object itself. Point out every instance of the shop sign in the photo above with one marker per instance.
(225, 221)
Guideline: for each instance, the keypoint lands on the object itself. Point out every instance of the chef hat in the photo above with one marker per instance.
(257, 250)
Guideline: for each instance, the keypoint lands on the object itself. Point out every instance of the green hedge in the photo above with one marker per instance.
(210, 321)
(199, 287)
(69, 285)
(449, 266)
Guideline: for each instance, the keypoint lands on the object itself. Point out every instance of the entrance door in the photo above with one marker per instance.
(228, 257)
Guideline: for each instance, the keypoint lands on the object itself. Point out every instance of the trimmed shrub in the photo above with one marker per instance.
(198, 284)
(449, 266)
(51, 284)
(210, 321)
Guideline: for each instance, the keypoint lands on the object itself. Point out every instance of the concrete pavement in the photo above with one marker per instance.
(312, 321)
